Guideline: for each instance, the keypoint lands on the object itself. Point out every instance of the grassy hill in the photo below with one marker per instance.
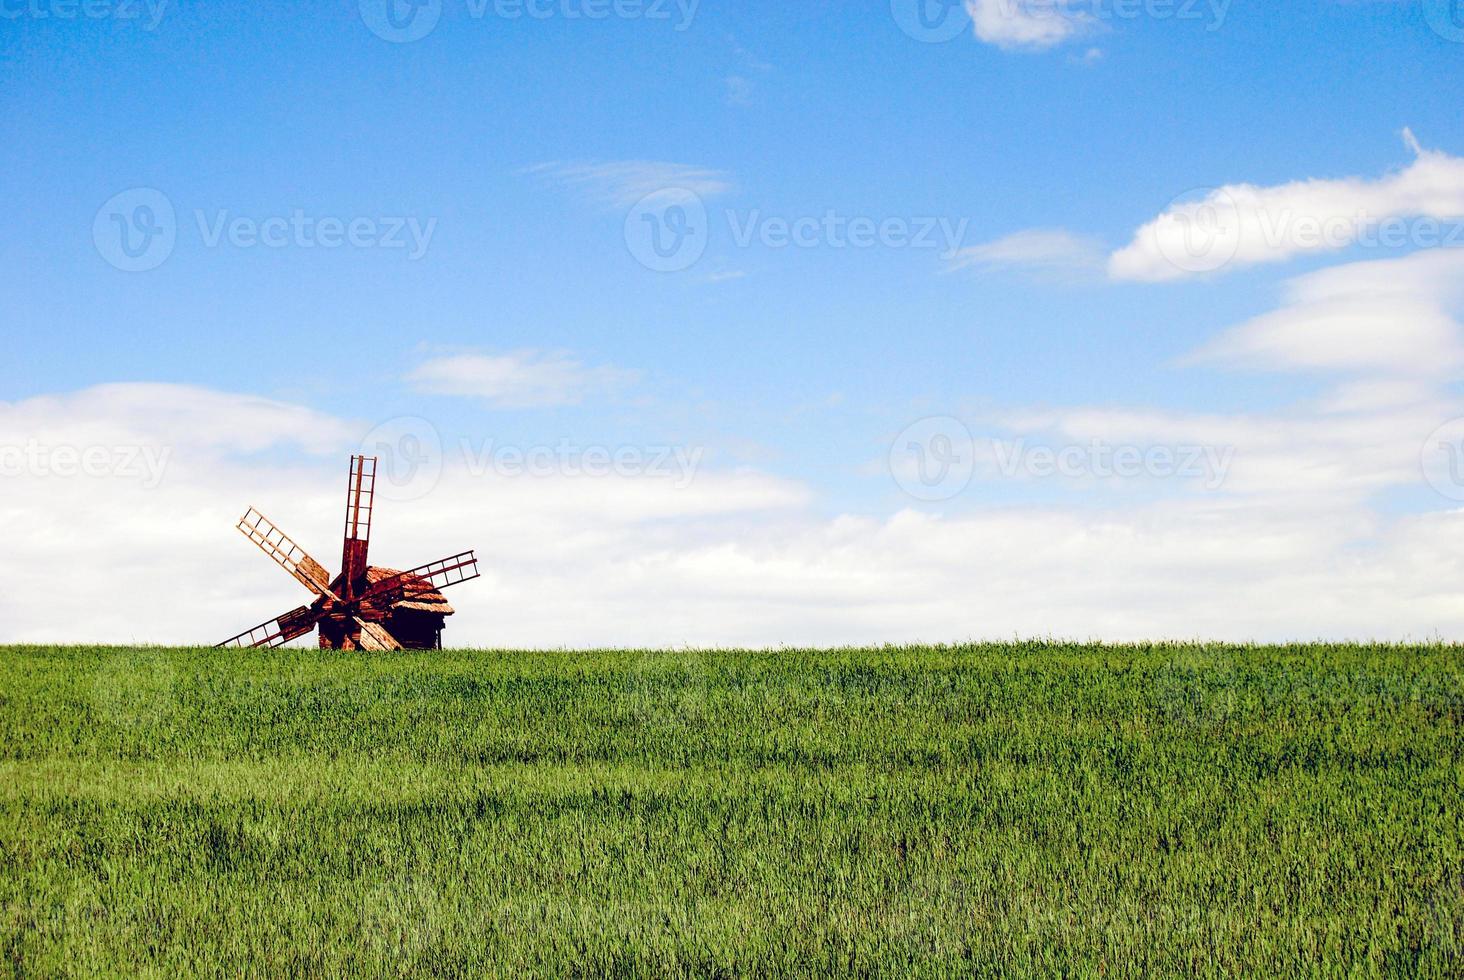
(936, 811)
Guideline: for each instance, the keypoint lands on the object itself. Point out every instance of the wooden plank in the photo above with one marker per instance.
(375, 638)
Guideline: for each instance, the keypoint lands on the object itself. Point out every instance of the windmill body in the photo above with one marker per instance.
(364, 607)
(416, 621)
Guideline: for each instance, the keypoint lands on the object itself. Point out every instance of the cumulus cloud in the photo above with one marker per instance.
(1242, 224)
(521, 379)
(1032, 25)
(1288, 547)
(152, 555)
(1291, 543)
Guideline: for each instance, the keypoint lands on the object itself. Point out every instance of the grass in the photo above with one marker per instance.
(1002, 810)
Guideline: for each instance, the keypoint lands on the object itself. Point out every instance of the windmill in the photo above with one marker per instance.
(363, 608)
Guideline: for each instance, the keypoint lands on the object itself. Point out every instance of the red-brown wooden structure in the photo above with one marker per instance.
(362, 608)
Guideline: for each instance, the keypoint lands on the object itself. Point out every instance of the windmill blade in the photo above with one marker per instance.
(278, 631)
(375, 638)
(432, 577)
(286, 553)
(360, 498)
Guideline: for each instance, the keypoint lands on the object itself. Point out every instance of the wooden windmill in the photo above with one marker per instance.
(363, 608)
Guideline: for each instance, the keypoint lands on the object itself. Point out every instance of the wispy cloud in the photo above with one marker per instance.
(1390, 317)
(739, 90)
(1052, 252)
(520, 379)
(1384, 329)
(622, 183)
(741, 83)
(182, 416)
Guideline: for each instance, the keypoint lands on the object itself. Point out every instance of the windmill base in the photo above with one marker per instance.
(412, 629)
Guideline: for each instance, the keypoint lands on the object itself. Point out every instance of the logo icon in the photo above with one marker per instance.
(1442, 459)
(401, 917)
(1196, 688)
(1446, 17)
(409, 457)
(934, 459)
(669, 691)
(135, 231)
(401, 21)
(134, 692)
(667, 230)
(931, 21)
(1200, 230)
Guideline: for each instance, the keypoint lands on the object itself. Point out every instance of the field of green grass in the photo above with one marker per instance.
(995, 810)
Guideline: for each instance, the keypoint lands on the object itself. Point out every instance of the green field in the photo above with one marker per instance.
(1034, 808)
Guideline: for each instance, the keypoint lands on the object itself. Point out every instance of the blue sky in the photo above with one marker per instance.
(524, 145)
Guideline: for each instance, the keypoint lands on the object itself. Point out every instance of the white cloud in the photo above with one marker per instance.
(1386, 324)
(159, 561)
(182, 417)
(1335, 453)
(1026, 24)
(1375, 394)
(1050, 251)
(1383, 317)
(1242, 224)
(622, 183)
(521, 379)
(728, 275)
(1288, 548)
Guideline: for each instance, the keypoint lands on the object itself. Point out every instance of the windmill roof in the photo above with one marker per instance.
(433, 601)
